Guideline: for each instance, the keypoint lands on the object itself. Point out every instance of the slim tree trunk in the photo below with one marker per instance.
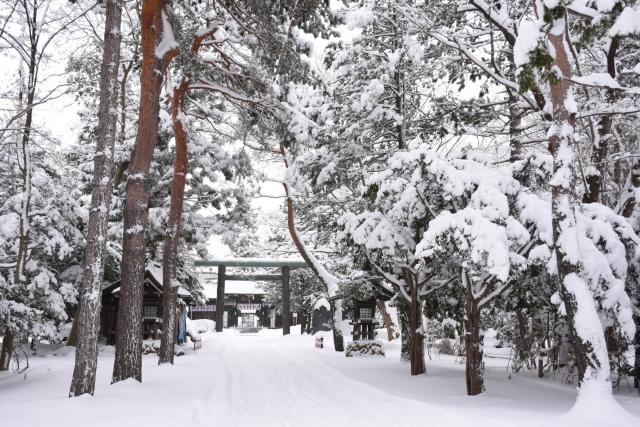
(403, 319)
(329, 281)
(515, 131)
(172, 239)
(589, 347)
(387, 319)
(473, 346)
(24, 162)
(128, 358)
(7, 346)
(87, 320)
(416, 334)
(603, 136)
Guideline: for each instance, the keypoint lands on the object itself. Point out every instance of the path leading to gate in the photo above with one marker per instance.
(265, 379)
(269, 381)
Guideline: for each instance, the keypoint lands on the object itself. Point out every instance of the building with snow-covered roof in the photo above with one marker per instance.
(244, 303)
(151, 305)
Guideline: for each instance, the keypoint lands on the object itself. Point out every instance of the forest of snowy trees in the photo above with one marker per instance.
(476, 159)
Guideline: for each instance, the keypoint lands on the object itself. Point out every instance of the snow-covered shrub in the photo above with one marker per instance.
(447, 346)
(364, 348)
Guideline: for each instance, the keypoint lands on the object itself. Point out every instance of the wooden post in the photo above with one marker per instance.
(286, 316)
(220, 299)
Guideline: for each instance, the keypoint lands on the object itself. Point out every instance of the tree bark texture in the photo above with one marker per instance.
(595, 175)
(416, 334)
(87, 320)
(561, 146)
(387, 319)
(172, 238)
(7, 346)
(128, 358)
(403, 319)
(473, 346)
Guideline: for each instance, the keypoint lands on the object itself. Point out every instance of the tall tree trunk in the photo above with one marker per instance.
(172, 239)
(628, 202)
(87, 319)
(416, 334)
(387, 319)
(515, 131)
(25, 153)
(589, 347)
(473, 344)
(522, 338)
(7, 346)
(128, 358)
(329, 281)
(603, 136)
(403, 318)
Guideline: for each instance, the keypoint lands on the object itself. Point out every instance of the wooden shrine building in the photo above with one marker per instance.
(151, 305)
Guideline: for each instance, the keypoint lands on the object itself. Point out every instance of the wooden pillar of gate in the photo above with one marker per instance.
(220, 299)
(286, 312)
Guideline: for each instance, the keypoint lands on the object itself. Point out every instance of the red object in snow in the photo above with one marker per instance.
(320, 342)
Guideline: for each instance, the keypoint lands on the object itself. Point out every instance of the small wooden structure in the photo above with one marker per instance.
(151, 305)
(364, 319)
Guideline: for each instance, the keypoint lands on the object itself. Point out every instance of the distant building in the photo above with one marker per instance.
(244, 303)
(151, 305)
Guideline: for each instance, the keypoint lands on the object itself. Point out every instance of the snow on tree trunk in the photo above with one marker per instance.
(602, 137)
(589, 344)
(24, 164)
(473, 343)
(87, 320)
(387, 319)
(172, 239)
(158, 48)
(403, 319)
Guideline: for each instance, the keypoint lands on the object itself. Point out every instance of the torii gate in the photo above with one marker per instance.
(286, 265)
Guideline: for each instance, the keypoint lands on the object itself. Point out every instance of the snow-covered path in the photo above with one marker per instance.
(269, 380)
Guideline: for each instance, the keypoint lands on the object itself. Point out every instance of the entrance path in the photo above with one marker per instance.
(264, 379)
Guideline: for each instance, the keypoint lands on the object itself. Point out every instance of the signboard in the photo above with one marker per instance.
(249, 308)
(204, 308)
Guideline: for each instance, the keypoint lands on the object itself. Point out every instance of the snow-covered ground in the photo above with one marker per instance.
(269, 380)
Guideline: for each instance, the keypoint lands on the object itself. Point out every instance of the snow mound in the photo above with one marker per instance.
(195, 328)
(597, 406)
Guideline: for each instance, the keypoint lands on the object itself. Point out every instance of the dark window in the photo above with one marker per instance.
(366, 313)
(150, 311)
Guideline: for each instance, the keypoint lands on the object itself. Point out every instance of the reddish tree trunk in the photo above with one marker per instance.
(172, 239)
(128, 358)
(561, 197)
